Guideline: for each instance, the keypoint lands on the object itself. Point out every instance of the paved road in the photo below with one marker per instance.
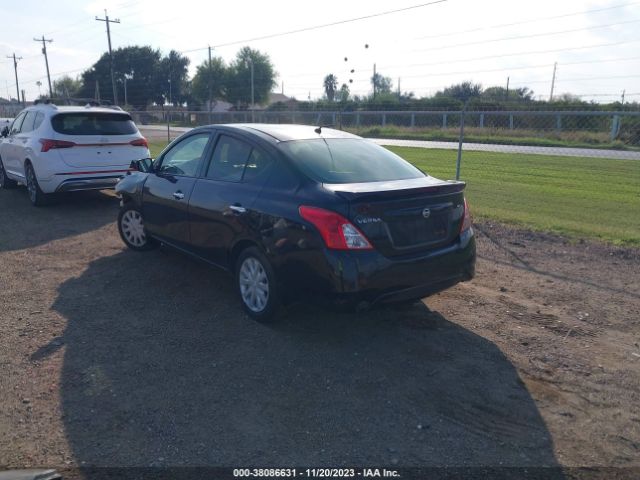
(160, 131)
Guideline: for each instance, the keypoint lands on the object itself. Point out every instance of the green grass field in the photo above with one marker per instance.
(579, 197)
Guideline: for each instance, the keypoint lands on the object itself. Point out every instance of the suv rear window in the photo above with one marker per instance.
(93, 123)
(348, 160)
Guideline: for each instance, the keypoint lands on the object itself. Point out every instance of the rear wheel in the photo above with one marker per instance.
(256, 284)
(36, 195)
(5, 182)
(132, 231)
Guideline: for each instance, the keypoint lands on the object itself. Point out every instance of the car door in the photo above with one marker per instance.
(10, 149)
(167, 190)
(220, 207)
(22, 144)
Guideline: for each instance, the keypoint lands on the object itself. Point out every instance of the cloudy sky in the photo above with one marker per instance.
(595, 42)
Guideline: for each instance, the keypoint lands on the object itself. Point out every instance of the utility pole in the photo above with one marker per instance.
(46, 60)
(126, 100)
(507, 88)
(622, 100)
(113, 80)
(15, 69)
(209, 83)
(399, 91)
(374, 81)
(553, 81)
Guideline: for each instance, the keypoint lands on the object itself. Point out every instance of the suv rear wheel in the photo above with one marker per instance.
(5, 182)
(36, 195)
(256, 285)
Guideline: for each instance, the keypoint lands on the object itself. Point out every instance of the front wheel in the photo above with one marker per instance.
(132, 231)
(256, 285)
(5, 182)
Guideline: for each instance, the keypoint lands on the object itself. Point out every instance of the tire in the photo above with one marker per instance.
(5, 182)
(131, 229)
(36, 195)
(257, 286)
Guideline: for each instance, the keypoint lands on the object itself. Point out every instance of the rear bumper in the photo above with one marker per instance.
(88, 183)
(368, 278)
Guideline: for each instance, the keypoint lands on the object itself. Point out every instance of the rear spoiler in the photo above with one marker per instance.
(417, 186)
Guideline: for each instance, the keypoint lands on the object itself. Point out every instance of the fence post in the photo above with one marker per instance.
(444, 120)
(461, 139)
(333, 119)
(358, 119)
(168, 128)
(558, 122)
(482, 120)
(413, 120)
(384, 119)
(511, 121)
(615, 127)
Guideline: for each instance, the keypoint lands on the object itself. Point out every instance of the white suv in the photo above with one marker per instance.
(61, 149)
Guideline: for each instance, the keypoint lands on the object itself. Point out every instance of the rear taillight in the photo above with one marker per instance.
(466, 220)
(139, 142)
(48, 144)
(337, 232)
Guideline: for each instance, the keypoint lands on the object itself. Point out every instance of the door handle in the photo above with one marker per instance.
(178, 195)
(237, 209)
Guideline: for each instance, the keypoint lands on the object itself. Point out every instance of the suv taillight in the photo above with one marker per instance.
(139, 142)
(337, 232)
(466, 220)
(48, 144)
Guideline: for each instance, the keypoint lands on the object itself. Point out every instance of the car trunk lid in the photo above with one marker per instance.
(405, 216)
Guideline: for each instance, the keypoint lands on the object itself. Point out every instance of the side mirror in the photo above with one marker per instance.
(5, 132)
(144, 165)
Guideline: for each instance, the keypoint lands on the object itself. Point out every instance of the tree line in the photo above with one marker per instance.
(144, 77)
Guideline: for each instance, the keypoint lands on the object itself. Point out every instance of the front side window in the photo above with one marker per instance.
(229, 159)
(27, 124)
(348, 160)
(184, 158)
(17, 124)
(93, 123)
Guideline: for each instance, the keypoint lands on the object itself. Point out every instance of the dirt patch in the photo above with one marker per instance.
(108, 357)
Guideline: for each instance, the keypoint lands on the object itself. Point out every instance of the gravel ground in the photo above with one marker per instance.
(115, 358)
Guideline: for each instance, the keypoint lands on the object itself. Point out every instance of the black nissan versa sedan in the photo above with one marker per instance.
(295, 210)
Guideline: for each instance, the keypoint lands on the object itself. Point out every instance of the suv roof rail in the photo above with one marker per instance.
(45, 101)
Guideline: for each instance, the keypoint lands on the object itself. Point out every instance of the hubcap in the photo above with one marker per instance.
(133, 228)
(254, 284)
(31, 184)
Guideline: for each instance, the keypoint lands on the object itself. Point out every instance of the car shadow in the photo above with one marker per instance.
(69, 214)
(161, 368)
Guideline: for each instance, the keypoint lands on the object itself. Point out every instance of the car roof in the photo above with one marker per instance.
(286, 132)
(53, 109)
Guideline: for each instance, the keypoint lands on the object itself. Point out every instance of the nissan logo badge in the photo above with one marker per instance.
(426, 213)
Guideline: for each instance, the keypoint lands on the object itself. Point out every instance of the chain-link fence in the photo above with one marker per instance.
(574, 172)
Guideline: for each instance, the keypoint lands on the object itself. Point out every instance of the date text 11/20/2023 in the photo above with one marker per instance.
(314, 473)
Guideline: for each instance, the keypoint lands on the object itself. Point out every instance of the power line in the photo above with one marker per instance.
(527, 21)
(518, 37)
(317, 27)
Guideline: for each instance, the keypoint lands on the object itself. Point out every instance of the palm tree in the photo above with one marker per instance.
(330, 86)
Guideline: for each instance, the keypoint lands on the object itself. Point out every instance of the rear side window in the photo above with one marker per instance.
(38, 120)
(93, 123)
(348, 160)
(229, 159)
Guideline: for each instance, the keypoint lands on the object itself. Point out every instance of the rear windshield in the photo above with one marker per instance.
(93, 123)
(348, 160)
